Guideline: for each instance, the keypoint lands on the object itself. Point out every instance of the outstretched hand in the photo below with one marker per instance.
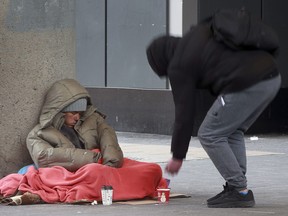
(173, 166)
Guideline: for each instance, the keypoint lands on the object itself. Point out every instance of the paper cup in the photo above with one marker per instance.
(107, 195)
(163, 195)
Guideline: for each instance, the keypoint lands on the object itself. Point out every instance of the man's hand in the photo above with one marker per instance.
(173, 166)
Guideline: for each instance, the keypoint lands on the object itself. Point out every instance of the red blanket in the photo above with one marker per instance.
(135, 180)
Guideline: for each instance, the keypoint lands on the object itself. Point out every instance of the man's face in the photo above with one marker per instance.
(71, 118)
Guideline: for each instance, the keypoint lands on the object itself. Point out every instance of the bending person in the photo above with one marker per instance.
(245, 81)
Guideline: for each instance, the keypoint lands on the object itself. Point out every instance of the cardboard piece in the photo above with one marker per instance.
(151, 201)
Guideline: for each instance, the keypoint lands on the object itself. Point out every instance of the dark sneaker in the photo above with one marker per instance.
(225, 189)
(233, 199)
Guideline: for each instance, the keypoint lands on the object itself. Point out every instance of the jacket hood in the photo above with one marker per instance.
(160, 52)
(61, 94)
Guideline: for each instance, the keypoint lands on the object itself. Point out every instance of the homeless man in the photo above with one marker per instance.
(69, 128)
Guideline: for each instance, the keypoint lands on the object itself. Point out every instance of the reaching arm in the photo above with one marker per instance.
(183, 89)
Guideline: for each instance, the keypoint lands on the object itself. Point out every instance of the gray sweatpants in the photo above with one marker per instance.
(222, 131)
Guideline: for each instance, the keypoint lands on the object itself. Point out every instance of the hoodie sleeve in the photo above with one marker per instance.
(183, 89)
(184, 72)
(43, 146)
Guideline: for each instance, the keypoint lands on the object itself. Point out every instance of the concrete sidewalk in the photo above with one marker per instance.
(267, 177)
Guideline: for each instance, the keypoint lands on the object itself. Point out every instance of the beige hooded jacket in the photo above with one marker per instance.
(49, 147)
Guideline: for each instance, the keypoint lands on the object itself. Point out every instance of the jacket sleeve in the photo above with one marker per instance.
(48, 147)
(112, 154)
(185, 74)
(182, 73)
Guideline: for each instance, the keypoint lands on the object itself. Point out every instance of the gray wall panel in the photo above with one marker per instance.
(90, 42)
(39, 15)
(136, 110)
(131, 24)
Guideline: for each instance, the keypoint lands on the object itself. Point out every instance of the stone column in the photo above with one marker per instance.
(37, 47)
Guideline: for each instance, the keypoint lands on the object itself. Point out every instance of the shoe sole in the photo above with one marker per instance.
(247, 204)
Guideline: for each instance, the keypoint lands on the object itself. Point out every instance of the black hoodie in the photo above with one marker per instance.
(198, 61)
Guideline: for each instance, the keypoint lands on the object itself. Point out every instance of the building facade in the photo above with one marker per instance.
(111, 40)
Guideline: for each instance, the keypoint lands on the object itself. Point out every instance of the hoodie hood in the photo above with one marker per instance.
(160, 52)
(61, 94)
